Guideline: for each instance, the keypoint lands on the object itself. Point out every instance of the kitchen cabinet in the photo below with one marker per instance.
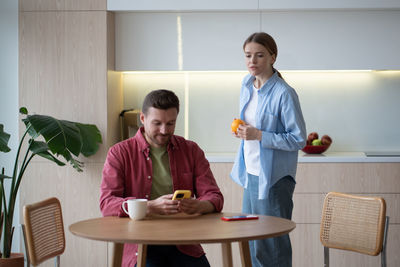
(327, 4)
(254, 5)
(174, 5)
(62, 5)
(307, 40)
(335, 40)
(213, 41)
(187, 41)
(314, 180)
(146, 41)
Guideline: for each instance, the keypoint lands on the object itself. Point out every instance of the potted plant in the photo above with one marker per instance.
(49, 138)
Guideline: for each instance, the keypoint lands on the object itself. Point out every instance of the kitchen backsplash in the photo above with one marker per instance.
(358, 109)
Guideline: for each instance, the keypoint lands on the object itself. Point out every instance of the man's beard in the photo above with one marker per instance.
(165, 139)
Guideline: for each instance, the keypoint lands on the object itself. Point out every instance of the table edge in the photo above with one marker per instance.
(184, 242)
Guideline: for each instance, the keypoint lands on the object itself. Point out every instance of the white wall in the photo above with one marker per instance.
(9, 89)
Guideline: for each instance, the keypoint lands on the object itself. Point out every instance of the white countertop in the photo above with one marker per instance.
(324, 157)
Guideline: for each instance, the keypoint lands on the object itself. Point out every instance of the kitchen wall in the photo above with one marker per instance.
(340, 62)
(358, 109)
(9, 90)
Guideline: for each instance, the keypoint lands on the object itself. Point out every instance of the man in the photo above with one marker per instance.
(152, 165)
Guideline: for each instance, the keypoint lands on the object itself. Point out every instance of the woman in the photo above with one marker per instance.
(273, 132)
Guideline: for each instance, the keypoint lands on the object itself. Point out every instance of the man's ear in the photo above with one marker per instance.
(142, 117)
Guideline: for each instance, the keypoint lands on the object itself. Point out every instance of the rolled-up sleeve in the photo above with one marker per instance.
(206, 186)
(112, 186)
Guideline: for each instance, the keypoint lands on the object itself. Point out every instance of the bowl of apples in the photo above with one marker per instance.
(315, 145)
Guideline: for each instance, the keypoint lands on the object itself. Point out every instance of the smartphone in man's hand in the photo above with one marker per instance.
(181, 194)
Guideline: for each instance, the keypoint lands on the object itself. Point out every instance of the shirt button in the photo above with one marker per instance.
(147, 196)
(148, 158)
(149, 177)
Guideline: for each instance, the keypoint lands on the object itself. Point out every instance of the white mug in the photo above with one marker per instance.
(137, 208)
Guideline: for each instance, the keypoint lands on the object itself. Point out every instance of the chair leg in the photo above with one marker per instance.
(326, 257)
(26, 252)
(383, 252)
(57, 261)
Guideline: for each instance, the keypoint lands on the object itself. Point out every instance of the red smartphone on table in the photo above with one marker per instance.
(239, 217)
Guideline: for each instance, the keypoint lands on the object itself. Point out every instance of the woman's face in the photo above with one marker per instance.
(258, 60)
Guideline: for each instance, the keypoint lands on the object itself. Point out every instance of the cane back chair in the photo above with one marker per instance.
(355, 223)
(44, 231)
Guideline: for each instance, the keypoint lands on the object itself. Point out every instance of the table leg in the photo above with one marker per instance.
(245, 253)
(227, 254)
(117, 254)
(142, 253)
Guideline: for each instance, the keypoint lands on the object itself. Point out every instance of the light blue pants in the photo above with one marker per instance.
(274, 252)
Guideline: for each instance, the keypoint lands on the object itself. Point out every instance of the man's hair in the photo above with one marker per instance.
(160, 99)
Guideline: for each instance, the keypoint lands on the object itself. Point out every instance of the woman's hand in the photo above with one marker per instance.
(248, 132)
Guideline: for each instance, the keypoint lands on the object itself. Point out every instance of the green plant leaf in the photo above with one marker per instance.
(49, 156)
(4, 137)
(31, 130)
(78, 165)
(60, 135)
(41, 149)
(23, 110)
(91, 137)
(38, 146)
(2, 176)
(74, 162)
(61, 138)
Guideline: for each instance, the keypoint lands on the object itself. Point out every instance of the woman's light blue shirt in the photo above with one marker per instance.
(281, 121)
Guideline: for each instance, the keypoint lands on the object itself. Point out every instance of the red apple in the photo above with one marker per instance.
(312, 136)
(326, 140)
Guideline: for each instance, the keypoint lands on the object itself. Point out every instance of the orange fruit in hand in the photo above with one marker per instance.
(235, 124)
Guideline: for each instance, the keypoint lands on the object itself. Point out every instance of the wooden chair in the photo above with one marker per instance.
(44, 231)
(356, 223)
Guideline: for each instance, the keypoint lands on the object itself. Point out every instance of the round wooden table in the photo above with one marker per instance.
(208, 228)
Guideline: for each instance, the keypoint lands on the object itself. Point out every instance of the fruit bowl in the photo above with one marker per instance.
(309, 149)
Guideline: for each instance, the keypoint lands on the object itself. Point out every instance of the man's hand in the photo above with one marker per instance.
(163, 205)
(192, 206)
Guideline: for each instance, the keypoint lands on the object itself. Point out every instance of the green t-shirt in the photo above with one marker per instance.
(162, 181)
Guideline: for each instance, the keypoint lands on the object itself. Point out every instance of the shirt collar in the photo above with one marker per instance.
(266, 86)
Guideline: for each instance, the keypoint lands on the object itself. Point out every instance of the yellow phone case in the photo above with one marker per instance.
(180, 194)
